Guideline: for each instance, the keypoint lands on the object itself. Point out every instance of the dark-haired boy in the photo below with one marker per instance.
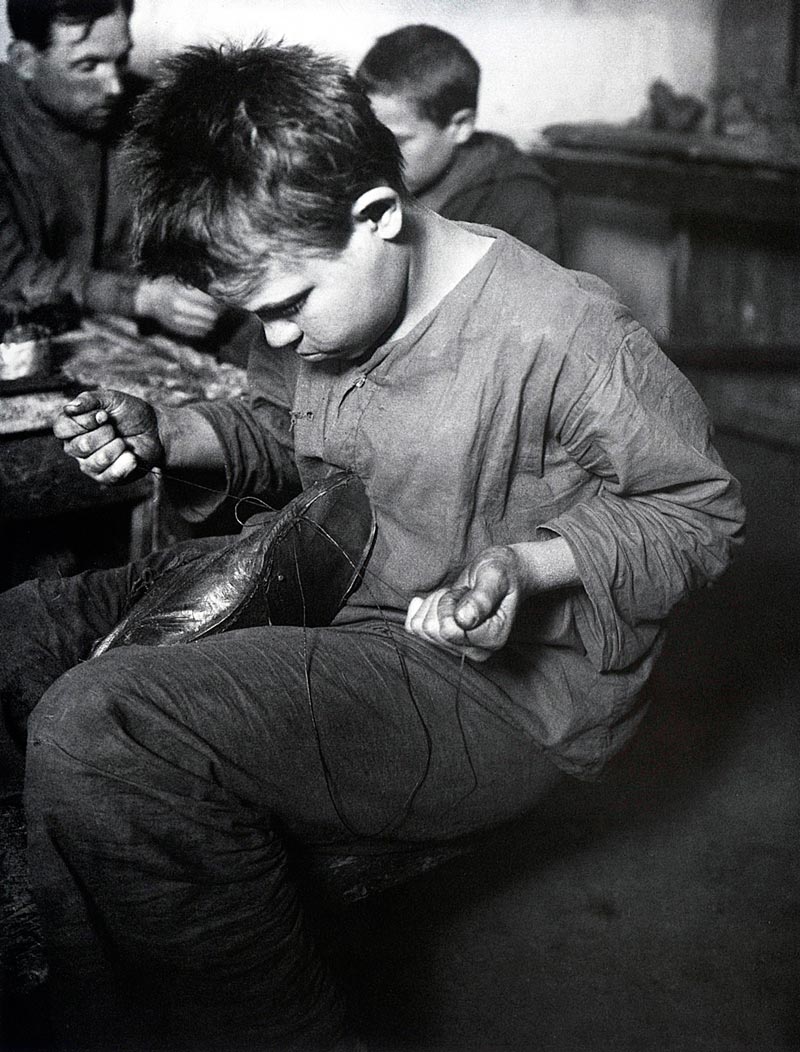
(64, 209)
(544, 490)
(423, 83)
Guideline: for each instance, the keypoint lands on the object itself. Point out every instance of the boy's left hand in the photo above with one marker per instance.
(474, 616)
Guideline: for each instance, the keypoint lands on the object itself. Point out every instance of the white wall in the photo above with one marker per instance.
(543, 61)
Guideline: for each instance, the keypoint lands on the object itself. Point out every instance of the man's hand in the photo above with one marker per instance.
(184, 310)
(475, 616)
(113, 436)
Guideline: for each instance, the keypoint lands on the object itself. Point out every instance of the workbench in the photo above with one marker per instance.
(43, 494)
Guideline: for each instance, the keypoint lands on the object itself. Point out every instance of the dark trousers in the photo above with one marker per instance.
(164, 783)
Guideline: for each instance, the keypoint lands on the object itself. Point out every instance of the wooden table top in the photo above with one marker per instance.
(36, 477)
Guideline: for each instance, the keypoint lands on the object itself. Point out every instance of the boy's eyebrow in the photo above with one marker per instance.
(279, 305)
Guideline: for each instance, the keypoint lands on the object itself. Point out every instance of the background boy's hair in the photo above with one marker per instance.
(426, 65)
(33, 20)
(239, 152)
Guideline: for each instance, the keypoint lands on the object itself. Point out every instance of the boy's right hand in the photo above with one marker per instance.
(113, 436)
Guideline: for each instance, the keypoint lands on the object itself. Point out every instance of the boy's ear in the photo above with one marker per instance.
(23, 59)
(381, 206)
(461, 126)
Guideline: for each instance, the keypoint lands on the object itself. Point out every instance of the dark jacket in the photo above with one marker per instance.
(492, 182)
(64, 210)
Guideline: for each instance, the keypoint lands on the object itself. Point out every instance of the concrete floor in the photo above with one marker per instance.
(658, 909)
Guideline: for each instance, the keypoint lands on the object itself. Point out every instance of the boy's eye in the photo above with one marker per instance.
(288, 310)
(292, 310)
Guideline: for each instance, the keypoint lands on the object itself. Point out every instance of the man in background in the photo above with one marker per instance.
(64, 208)
(423, 84)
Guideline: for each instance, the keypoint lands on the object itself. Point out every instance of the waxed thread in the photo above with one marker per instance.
(326, 771)
(406, 677)
(158, 472)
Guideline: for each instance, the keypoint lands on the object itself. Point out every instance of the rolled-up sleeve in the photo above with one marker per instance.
(667, 515)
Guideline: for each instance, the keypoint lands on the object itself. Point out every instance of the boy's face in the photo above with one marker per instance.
(333, 306)
(427, 149)
(79, 76)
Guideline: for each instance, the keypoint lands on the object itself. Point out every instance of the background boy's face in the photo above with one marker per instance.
(78, 77)
(427, 149)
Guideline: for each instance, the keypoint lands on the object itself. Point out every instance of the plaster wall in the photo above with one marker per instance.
(543, 61)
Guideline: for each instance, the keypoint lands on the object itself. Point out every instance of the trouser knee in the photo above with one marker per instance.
(77, 732)
(114, 757)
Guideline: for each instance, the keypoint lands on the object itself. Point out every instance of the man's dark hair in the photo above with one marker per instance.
(429, 67)
(33, 20)
(239, 152)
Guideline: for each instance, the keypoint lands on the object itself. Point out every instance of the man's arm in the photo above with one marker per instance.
(29, 275)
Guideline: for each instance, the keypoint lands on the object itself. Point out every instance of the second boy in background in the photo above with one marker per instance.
(423, 84)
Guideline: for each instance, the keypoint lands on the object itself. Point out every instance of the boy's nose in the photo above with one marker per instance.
(282, 332)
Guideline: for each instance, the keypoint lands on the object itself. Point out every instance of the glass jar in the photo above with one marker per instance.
(25, 352)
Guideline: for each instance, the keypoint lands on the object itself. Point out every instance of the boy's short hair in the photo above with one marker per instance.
(426, 65)
(33, 20)
(238, 152)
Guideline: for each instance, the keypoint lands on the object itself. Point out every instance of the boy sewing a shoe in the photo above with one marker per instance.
(544, 491)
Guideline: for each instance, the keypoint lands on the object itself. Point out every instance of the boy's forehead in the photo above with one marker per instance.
(268, 294)
(272, 273)
(397, 111)
(276, 281)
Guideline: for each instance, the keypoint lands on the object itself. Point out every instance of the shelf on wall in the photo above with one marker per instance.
(681, 172)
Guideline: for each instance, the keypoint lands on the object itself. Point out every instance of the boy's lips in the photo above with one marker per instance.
(314, 354)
